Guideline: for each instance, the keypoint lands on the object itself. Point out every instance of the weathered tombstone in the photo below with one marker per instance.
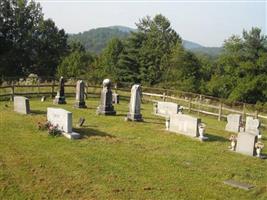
(252, 126)
(21, 105)
(115, 98)
(134, 113)
(165, 109)
(43, 98)
(233, 123)
(246, 143)
(63, 119)
(60, 97)
(81, 122)
(184, 124)
(80, 102)
(106, 107)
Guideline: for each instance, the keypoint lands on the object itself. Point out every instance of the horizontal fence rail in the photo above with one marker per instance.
(190, 101)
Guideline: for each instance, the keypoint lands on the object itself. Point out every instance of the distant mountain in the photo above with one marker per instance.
(95, 40)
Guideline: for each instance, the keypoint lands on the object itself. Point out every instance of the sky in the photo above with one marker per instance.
(208, 23)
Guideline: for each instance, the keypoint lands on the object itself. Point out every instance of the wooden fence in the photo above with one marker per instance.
(191, 102)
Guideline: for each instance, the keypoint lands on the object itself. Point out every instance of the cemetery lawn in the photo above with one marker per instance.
(120, 160)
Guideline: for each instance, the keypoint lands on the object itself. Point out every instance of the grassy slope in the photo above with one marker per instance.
(119, 160)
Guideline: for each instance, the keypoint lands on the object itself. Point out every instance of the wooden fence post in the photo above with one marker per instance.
(220, 111)
(256, 114)
(164, 96)
(199, 102)
(38, 87)
(189, 106)
(244, 111)
(52, 89)
(13, 91)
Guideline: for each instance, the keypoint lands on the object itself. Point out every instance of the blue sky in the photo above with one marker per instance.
(206, 22)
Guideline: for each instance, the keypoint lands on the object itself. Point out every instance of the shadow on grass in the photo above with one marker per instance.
(38, 112)
(89, 132)
(215, 138)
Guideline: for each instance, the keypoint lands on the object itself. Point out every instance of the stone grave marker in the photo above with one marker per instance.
(166, 109)
(63, 119)
(246, 143)
(115, 98)
(233, 123)
(43, 98)
(81, 122)
(60, 97)
(184, 124)
(106, 107)
(80, 102)
(21, 105)
(252, 126)
(134, 113)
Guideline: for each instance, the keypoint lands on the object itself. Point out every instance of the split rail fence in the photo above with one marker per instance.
(191, 102)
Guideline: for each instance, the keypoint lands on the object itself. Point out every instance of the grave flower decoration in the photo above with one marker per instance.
(233, 140)
(259, 146)
(201, 129)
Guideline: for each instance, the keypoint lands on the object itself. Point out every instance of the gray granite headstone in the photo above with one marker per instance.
(115, 98)
(106, 107)
(166, 109)
(184, 124)
(134, 113)
(252, 126)
(246, 143)
(233, 123)
(21, 105)
(63, 119)
(79, 101)
(60, 97)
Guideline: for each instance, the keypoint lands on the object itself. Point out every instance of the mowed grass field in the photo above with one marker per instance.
(120, 160)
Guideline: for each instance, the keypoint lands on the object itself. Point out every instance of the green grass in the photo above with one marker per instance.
(120, 160)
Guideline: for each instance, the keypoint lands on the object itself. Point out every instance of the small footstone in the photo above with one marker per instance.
(237, 184)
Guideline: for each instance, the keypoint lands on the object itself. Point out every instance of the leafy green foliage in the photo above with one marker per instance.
(28, 43)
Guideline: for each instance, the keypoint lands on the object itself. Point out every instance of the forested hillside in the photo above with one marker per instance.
(153, 54)
(95, 40)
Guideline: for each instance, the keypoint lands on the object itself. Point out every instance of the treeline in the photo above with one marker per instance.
(153, 55)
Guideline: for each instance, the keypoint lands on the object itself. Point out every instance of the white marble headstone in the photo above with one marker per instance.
(166, 109)
(63, 119)
(252, 126)
(184, 124)
(233, 123)
(246, 143)
(21, 105)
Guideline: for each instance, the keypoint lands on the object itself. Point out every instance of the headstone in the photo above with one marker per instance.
(184, 124)
(63, 119)
(246, 143)
(80, 102)
(21, 105)
(233, 123)
(43, 98)
(115, 98)
(252, 126)
(134, 113)
(166, 109)
(60, 97)
(106, 107)
(81, 122)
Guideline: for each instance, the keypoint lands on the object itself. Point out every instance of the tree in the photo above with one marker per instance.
(29, 44)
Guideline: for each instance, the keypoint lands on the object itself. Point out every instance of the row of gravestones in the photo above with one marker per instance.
(63, 118)
(176, 121)
(245, 142)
